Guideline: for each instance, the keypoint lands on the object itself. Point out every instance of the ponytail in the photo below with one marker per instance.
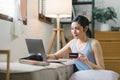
(89, 34)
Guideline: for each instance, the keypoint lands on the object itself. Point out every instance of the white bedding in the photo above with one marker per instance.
(55, 71)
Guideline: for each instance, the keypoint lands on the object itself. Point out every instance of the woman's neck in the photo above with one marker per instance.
(83, 39)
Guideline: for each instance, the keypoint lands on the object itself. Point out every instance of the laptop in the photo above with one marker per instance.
(36, 50)
(36, 47)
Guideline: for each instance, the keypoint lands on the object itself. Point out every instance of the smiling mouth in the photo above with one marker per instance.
(75, 35)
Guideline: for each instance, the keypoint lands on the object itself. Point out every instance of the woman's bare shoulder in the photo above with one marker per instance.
(72, 41)
(95, 42)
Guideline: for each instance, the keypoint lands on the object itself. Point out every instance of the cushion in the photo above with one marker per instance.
(95, 75)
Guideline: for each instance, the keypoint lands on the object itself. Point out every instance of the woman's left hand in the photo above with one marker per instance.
(83, 58)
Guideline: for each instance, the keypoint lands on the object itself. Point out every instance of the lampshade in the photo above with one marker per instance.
(53, 8)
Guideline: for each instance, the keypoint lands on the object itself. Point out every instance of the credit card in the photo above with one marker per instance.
(73, 55)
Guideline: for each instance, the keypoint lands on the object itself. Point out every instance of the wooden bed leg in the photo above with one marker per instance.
(7, 52)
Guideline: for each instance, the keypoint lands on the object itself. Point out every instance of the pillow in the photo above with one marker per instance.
(95, 75)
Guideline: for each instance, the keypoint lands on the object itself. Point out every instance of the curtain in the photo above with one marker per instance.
(23, 7)
(17, 27)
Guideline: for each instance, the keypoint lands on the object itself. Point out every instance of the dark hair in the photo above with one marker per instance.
(83, 21)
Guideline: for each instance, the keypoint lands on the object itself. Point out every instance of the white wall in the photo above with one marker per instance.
(34, 29)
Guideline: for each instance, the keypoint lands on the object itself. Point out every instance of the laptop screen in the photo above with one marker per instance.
(35, 46)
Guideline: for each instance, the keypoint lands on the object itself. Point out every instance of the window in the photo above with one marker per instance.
(42, 17)
(16, 9)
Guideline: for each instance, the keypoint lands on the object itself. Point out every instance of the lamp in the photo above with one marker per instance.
(58, 9)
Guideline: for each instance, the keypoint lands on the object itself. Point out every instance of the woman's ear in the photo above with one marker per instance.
(86, 28)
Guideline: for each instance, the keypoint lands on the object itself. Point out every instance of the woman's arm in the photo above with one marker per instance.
(65, 50)
(97, 50)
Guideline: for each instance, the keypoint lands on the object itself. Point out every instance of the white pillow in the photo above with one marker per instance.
(95, 75)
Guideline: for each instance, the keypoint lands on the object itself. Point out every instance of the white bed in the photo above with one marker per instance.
(55, 71)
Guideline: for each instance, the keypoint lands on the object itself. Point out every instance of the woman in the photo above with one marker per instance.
(89, 49)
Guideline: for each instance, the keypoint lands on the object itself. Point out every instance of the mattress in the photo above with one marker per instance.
(55, 71)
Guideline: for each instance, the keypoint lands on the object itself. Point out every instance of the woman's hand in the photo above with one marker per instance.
(83, 58)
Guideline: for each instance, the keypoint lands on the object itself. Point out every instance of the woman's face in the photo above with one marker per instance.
(77, 30)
